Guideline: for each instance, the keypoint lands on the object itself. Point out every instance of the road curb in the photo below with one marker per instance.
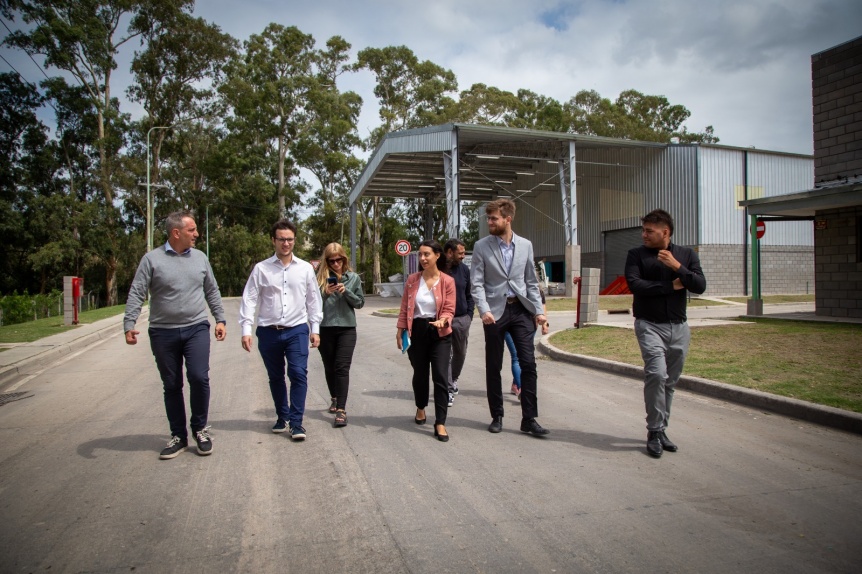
(24, 367)
(803, 410)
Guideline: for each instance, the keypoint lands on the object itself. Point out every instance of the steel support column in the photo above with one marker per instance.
(453, 195)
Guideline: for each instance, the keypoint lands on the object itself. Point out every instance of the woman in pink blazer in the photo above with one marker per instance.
(427, 308)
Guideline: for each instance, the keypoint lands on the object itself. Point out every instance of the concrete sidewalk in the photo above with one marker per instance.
(21, 360)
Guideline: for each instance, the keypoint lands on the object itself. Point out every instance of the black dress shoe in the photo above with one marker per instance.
(534, 428)
(653, 444)
(666, 443)
(496, 425)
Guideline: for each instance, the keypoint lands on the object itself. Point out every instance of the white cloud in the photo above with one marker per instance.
(741, 66)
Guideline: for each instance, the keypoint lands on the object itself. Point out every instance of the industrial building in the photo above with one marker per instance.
(615, 182)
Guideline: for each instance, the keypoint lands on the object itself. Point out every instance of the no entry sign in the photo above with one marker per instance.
(761, 228)
(402, 247)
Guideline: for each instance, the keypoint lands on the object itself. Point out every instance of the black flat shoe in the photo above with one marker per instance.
(440, 437)
(496, 425)
(419, 421)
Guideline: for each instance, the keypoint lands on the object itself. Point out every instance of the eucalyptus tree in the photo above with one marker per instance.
(327, 148)
(173, 75)
(411, 94)
(82, 39)
(269, 88)
(23, 140)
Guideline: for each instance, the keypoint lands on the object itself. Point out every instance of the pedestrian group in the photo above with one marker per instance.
(296, 308)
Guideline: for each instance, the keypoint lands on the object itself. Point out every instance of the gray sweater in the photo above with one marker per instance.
(181, 286)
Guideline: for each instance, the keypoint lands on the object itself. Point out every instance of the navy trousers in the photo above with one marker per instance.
(277, 346)
(170, 348)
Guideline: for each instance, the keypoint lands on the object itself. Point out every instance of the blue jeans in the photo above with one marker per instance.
(516, 366)
(277, 346)
(170, 347)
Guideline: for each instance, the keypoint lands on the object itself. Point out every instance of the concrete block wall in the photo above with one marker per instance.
(784, 269)
(836, 77)
(838, 264)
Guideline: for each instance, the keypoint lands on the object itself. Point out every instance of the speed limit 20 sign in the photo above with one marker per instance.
(402, 247)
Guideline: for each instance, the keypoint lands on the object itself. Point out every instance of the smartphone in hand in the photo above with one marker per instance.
(332, 280)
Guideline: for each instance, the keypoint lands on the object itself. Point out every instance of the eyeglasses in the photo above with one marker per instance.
(334, 261)
(285, 239)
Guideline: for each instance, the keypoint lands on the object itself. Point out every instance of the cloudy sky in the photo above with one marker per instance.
(743, 67)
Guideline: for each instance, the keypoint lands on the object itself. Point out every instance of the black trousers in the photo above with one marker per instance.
(521, 325)
(336, 351)
(429, 351)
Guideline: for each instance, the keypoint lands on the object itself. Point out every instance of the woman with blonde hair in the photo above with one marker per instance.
(341, 290)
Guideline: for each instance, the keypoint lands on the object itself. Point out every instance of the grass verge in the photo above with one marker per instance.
(40, 328)
(772, 299)
(814, 362)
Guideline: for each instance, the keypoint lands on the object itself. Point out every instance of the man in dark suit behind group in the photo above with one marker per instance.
(506, 292)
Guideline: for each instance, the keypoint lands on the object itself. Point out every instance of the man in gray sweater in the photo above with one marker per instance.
(182, 285)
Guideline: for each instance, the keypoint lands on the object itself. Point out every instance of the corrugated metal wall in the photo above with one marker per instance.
(698, 185)
(616, 186)
(722, 185)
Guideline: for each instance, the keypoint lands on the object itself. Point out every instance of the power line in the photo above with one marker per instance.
(26, 52)
(35, 89)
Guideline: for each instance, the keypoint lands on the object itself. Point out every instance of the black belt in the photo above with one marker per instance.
(277, 327)
(510, 300)
(669, 321)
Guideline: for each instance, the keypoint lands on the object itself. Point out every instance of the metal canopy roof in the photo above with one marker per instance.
(492, 161)
(844, 193)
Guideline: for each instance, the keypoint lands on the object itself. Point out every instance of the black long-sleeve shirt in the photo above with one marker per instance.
(463, 297)
(651, 283)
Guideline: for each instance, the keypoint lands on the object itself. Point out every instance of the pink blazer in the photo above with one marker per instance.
(444, 295)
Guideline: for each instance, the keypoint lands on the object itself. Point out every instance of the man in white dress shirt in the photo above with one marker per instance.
(285, 290)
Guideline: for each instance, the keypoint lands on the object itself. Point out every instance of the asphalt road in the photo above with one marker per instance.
(82, 488)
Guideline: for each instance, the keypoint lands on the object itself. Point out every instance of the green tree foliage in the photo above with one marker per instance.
(82, 38)
(234, 251)
(239, 128)
(269, 88)
(23, 138)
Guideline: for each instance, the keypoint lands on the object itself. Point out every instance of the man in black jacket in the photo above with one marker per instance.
(658, 274)
(455, 252)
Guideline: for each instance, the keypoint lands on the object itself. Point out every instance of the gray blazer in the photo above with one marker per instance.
(490, 280)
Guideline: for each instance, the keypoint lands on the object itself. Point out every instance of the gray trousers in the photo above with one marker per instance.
(460, 332)
(664, 347)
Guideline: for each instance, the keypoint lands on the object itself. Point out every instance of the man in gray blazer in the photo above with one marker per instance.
(506, 292)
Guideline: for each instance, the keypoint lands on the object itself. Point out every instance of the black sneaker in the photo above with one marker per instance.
(175, 446)
(205, 443)
(455, 387)
(297, 433)
(451, 399)
(279, 426)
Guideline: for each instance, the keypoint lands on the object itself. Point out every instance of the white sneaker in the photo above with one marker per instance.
(451, 399)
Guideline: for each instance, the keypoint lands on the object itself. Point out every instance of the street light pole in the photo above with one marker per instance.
(149, 193)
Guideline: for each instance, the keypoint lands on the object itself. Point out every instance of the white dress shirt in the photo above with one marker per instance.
(288, 296)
